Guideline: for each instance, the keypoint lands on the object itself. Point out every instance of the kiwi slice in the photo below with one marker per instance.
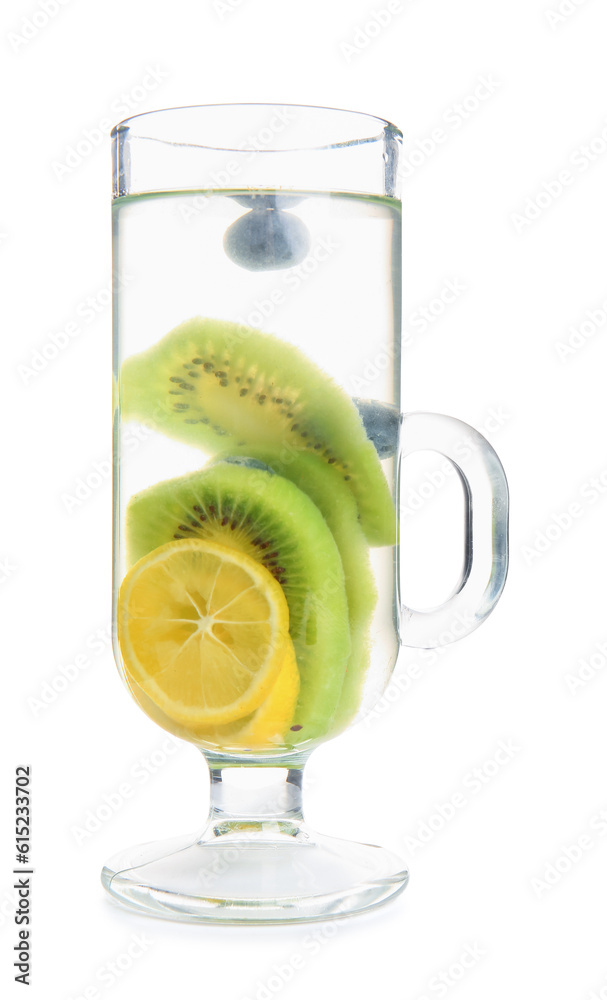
(335, 501)
(216, 385)
(270, 519)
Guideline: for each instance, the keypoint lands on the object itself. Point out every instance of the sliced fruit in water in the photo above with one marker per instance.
(216, 384)
(269, 725)
(203, 631)
(267, 518)
(267, 728)
(336, 503)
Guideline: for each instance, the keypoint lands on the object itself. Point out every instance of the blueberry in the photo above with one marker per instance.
(381, 422)
(267, 239)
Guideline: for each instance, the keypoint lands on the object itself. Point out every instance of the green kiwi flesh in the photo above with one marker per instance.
(267, 517)
(217, 385)
(335, 501)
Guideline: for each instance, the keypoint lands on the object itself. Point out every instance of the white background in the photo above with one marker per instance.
(479, 882)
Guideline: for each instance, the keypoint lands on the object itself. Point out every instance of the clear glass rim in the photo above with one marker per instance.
(383, 123)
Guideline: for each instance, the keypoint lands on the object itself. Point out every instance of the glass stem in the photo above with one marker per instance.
(254, 797)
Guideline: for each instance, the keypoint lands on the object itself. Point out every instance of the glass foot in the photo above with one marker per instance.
(254, 876)
(255, 862)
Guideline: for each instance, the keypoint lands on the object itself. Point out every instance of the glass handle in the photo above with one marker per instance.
(485, 530)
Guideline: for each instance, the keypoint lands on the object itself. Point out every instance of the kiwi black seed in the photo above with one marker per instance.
(250, 386)
(222, 380)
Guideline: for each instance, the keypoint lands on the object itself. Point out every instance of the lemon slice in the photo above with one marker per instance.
(203, 631)
(271, 721)
(266, 728)
(268, 725)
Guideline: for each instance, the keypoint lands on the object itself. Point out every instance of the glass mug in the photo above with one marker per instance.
(258, 440)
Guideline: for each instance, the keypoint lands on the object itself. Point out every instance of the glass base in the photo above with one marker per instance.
(256, 861)
(270, 873)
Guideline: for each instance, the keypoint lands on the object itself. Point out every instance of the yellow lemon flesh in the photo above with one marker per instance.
(268, 726)
(271, 720)
(203, 631)
(265, 729)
